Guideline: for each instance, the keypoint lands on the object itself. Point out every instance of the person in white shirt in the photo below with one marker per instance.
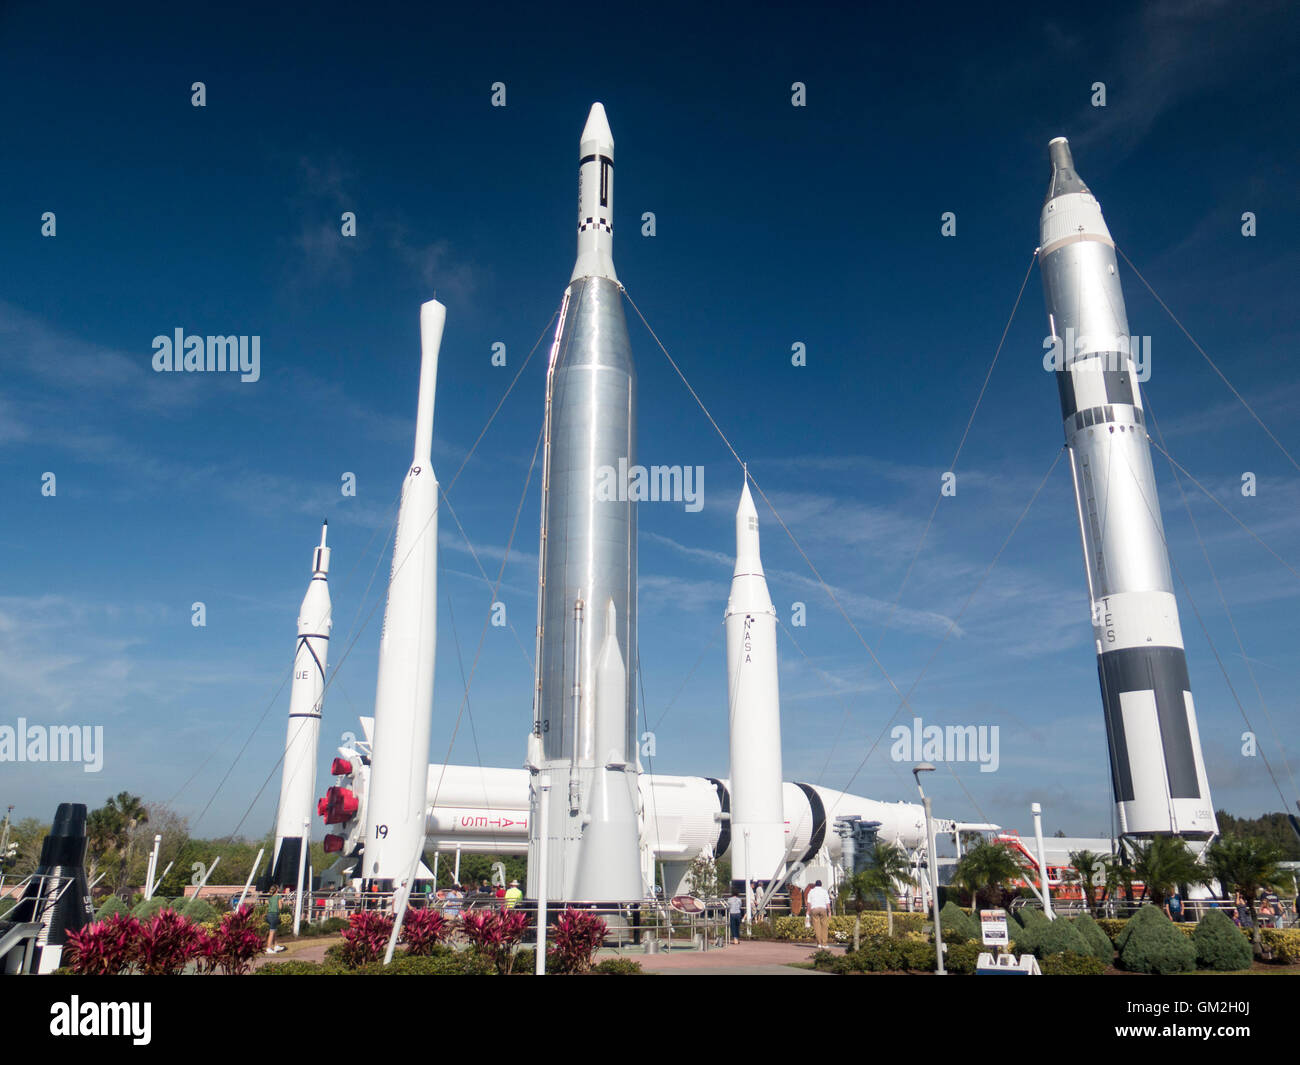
(819, 909)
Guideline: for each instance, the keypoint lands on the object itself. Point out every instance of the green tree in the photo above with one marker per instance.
(111, 830)
(1245, 865)
(702, 876)
(887, 867)
(986, 870)
(1164, 864)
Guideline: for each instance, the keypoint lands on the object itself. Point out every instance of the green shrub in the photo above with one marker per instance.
(1061, 937)
(1283, 944)
(1032, 926)
(957, 925)
(961, 958)
(1220, 944)
(111, 905)
(918, 956)
(823, 960)
(1153, 945)
(148, 908)
(293, 968)
(622, 967)
(760, 930)
(200, 911)
(874, 922)
(1099, 944)
(1071, 963)
(1113, 927)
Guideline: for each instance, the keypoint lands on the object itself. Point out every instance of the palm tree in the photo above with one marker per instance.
(121, 816)
(1163, 864)
(987, 868)
(888, 867)
(1245, 865)
(1087, 865)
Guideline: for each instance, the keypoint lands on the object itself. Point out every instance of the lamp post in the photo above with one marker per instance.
(932, 860)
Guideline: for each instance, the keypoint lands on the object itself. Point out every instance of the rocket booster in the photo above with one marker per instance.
(1157, 769)
(396, 804)
(588, 546)
(302, 739)
(758, 844)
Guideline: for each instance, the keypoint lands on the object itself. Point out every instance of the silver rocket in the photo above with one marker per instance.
(396, 803)
(584, 719)
(758, 844)
(302, 739)
(1157, 769)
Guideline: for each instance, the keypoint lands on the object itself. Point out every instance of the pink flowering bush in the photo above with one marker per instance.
(366, 937)
(577, 936)
(165, 943)
(496, 933)
(105, 948)
(422, 930)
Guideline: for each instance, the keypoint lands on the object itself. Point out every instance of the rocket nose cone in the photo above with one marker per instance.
(611, 618)
(1058, 151)
(69, 820)
(1065, 179)
(596, 131)
(746, 507)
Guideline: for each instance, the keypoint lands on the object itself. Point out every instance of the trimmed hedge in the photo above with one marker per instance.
(200, 911)
(444, 962)
(1070, 963)
(1032, 926)
(1152, 944)
(148, 908)
(1220, 944)
(1282, 943)
(874, 922)
(618, 967)
(111, 905)
(957, 925)
(1099, 944)
(1061, 937)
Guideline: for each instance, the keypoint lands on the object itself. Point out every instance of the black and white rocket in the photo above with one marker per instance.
(57, 896)
(584, 715)
(302, 739)
(1157, 768)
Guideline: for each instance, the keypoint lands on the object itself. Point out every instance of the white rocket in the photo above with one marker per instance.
(758, 844)
(396, 803)
(1157, 768)
(302, 740)
(584, 714)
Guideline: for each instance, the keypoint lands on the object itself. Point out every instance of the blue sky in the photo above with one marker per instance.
(775, 225)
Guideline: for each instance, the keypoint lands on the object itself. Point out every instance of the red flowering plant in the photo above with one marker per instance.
(105, 948)
(578, 934)
(234, 945)
(366, 937)
(423, 929)
(166, 943)
(496, 933)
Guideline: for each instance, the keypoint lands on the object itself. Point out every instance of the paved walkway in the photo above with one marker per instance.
(752, 958)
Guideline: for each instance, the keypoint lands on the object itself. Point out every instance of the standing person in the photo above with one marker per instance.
(273, 920)
(734, 914)
(451, 907)
(819, 909)
(1174, 906)
(513, 895)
